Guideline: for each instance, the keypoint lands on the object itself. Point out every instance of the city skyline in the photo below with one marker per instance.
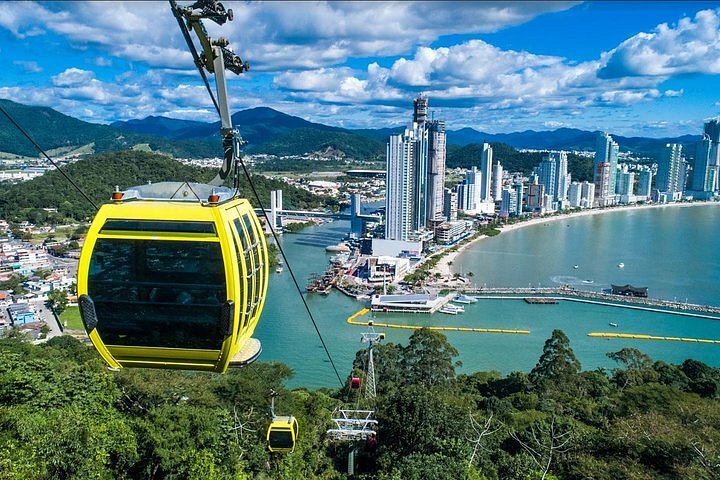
(623, 67)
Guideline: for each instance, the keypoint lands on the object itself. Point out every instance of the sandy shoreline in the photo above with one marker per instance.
(443, 266)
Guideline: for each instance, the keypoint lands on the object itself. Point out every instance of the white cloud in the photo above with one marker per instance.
(103, 62)
(691, 46)
(29, 66)
(72, 77)
(674, 93)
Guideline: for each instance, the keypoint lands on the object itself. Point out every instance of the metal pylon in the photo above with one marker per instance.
(371, 338)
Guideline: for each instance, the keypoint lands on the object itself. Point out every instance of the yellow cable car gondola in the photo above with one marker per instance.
(282, 434)
(174, 275)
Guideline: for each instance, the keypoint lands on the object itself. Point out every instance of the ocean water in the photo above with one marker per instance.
(673, 251)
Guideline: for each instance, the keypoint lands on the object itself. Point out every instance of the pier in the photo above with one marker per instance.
(608, 299)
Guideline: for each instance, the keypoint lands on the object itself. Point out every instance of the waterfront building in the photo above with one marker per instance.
(415, 176)
(575, 194)
(400, 186)
(469, 191)
(497, 182)
(706, 168)
(508, 205)
(436, 172)
(644, 182)
(625, 181)
(448, 233)
(451, 205)
(553, 173)
(588, 195)
(519, 190)
(670, 178)
(605, 169)
(486, 159)
(535, 196)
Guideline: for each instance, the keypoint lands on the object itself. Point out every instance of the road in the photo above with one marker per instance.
(44, 314)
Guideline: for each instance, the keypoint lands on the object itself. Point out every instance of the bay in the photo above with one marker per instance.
(672, 250)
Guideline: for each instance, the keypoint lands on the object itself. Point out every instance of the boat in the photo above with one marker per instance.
(612, 324)
(464, 299)
(576, 267)
(279, 270)
(621, 265)
(452, 309)
(588, 281)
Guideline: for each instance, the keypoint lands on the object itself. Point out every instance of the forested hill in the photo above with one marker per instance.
(63, 415)
(515, 161)
(98, 175)
(54, 130)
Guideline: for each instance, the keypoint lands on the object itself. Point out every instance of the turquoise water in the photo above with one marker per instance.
(673, 251)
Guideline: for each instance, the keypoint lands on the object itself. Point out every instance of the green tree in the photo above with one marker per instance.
(557, 363)
(428, 358)
(57, 301)
(638, 368)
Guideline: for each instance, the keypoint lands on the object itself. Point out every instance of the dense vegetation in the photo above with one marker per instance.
(63, 415)
(51, 129)
(307, 140)
(515, 161)
(98, 175)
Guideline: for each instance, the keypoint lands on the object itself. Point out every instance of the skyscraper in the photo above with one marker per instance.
(468, 192)
(486, 158)
(497, 182)
(605, 169)
(415, 176)
(552, 172)
(706, 168)
(436, 171)
(668, 179)
(644, 183)
(400, 186)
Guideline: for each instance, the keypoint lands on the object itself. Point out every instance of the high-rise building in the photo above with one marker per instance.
(468, 192)
(400, 183)
(605, 169)
(625, 182)
(508, 204)
(553, 173)
(575, 194)
(644, 182)
(436, 171)
(587, 195)
(415, 176)
(497, 182)
(535, 196)
(519, 190)
(451, 205)
(486, 160)
(706, 168)
(668, 179)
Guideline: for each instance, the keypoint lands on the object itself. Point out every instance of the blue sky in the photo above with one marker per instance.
(631, 68)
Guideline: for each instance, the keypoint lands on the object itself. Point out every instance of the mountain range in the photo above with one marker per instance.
(269, 131)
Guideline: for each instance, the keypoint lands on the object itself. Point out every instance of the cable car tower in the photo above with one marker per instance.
(355, 425)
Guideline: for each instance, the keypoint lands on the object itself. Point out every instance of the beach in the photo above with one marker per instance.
(445, 263)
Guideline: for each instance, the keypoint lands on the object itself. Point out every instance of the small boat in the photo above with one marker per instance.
(279, 270)
(576, 267)
(621, 265)
(452, 309)
(464, 299)
(612, 324)
(588, 281)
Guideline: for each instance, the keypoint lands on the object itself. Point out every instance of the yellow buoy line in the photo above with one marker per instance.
(637, 336)
(352, 320)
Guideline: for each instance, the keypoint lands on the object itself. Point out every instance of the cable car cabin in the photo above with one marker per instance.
(282, 434)
(355, 383)
(169, 282)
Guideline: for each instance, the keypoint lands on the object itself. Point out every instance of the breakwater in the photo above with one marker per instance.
(573, 294)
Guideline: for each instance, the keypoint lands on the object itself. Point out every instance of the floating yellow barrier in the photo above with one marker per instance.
(652, 337)
(352, 320)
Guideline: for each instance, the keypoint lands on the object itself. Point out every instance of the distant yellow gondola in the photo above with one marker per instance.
(174, 275)
(282, 434)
